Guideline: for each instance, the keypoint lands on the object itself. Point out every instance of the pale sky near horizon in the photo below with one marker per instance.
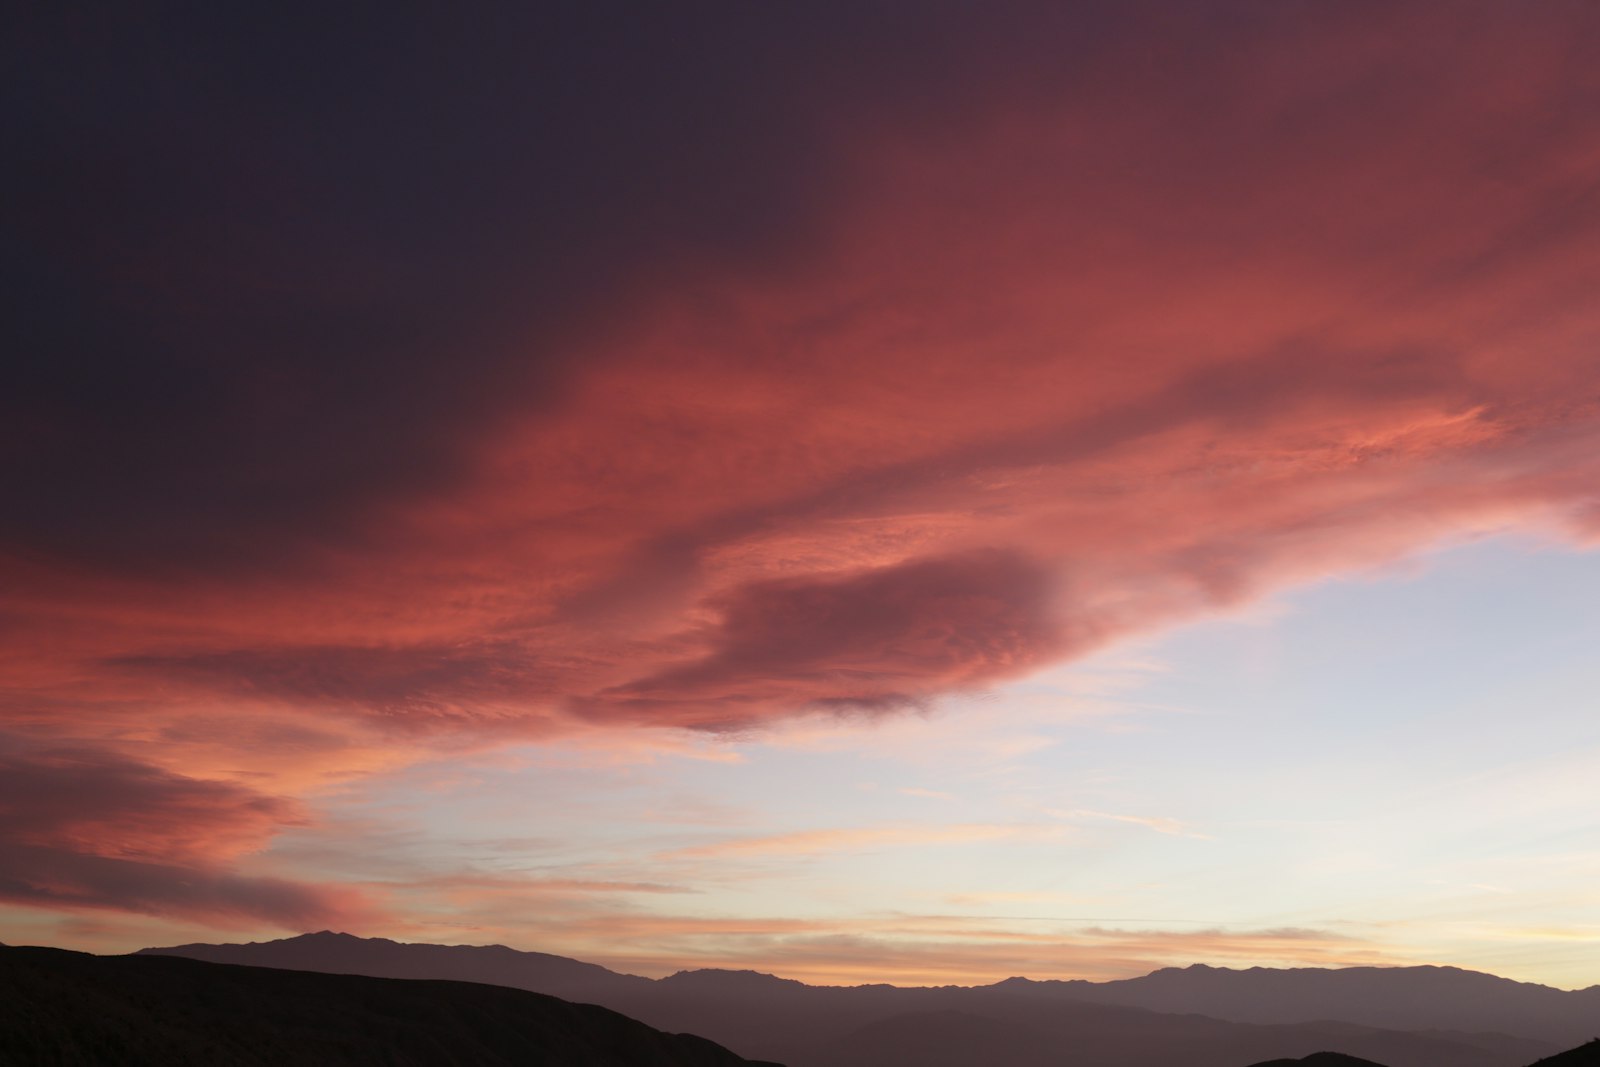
(855, 490)
(1394, 767)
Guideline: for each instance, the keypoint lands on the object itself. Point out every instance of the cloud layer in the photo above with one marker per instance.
(385, 394)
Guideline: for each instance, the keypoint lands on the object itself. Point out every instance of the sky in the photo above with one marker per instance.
(863, 492)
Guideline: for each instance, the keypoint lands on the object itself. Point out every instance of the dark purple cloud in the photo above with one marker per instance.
(267, 270)
(84, 828)
(880, 639)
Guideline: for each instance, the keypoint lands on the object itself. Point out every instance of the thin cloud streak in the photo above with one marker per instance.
(1160, 824)
(834, 841)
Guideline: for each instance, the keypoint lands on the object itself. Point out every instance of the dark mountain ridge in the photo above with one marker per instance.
(347, 954)
(70, 1009)
(1016, 1023)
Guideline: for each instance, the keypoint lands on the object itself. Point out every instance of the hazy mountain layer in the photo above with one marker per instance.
(66, 1009)
(1403, 998)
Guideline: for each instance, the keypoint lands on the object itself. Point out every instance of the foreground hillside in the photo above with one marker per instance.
(65, 1009)
(1586, 1055)
(1321, 1059)
(1011, 1024)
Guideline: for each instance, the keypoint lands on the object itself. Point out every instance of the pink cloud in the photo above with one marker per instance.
(1060, 366)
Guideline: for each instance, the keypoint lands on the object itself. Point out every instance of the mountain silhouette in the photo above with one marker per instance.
(70, 1009)
(1016, 1023)
(379, 957)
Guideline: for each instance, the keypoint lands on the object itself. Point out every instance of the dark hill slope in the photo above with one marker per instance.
(65, 1009)
(1586, 1055)
(1321, 1059)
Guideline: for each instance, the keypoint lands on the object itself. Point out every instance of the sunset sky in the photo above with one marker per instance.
(915, 492)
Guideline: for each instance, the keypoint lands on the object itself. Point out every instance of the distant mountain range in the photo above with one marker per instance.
(69, 1009)
(1406, 998)
(1195, 1017)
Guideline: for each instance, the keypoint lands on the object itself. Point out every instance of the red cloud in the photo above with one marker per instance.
(418, 683)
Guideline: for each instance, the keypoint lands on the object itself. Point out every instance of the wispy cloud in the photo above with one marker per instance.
(853, 839)
(1160, 824)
